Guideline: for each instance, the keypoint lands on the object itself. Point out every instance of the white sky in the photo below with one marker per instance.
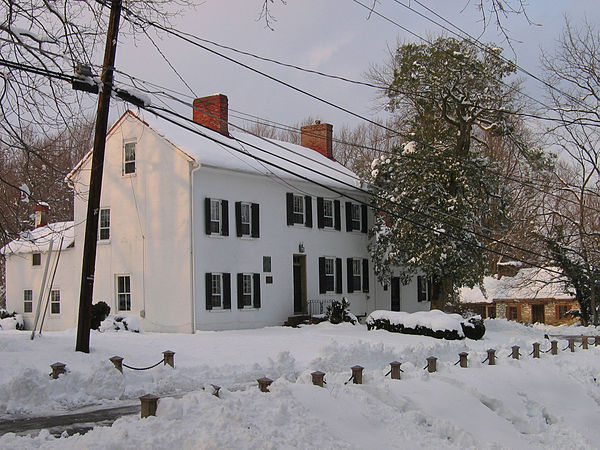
(332, 36)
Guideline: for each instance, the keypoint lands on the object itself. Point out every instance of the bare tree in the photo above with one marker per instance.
(572, 229)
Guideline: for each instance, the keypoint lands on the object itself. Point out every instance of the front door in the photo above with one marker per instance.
(299, 284)
(537, 313)
(395, 294)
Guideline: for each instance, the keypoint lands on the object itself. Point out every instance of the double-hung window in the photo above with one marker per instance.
(129, 158)
(356, 217)
(248, 285)
(330, 275)
(124, 292)
(512, 313)
(299, 209)
(327, 213)
(561, 311)
(423, 289)
(27, 301)
(217, 216)
(218, 290)
(55, 301)
(358, 274)
(247, 219)
(36, 259)
(104, 224)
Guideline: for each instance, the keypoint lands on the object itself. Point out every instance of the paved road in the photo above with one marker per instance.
(72, 423)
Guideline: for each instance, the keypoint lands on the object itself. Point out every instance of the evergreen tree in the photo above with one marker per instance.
(439, 186)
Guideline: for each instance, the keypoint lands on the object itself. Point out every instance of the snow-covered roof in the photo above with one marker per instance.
(248, 148)
(38, 240)
(317, 167)
(527, 284)
(476, 295)
(533, 283)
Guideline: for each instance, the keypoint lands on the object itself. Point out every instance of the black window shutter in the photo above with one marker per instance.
(289, 205)
(224, 218)
(308, 212)
(338, 275)
(429, 288)
(420, 288)
(320, 213)
(208, 285)
(337, 219)
(322, 289)
(255, 220)
(207, 215)
(240, 290)
(348, 216)
(226, 291)
(350, 275)
(238, 218)
(256, 280)
(364, 218)
(365, 274)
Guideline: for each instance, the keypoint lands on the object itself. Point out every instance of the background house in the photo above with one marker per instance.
(220, 231)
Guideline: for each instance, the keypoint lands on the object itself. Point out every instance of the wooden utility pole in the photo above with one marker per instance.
(91, 225)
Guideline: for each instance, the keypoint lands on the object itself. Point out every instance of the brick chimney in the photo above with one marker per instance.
(318, 137)
(41, 214)
(212, 112)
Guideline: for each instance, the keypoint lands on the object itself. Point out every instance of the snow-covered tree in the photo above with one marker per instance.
(440, 187)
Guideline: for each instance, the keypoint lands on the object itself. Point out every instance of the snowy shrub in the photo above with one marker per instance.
(339, 311)
(435, 323)
(120, 322)
(473, 328)
(11, 321)
(100, 311)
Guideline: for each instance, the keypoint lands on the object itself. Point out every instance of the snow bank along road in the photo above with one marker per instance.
(551, 402)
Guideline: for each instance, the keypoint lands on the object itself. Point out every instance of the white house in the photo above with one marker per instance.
(210, 233)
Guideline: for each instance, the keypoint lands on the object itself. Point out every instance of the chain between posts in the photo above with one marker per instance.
(144, 368)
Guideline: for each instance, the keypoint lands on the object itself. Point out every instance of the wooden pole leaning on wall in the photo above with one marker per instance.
(148, 406)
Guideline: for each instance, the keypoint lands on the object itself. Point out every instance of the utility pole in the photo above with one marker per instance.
(91, 225)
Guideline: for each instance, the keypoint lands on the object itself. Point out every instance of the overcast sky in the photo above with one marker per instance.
(333, 36)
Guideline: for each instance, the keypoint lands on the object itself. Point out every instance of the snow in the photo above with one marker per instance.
(121, 322)
(38, 240)
(10, 323)
(533, 283)
(551, 402)
(476, 295)
(318, 167)
(435, 320)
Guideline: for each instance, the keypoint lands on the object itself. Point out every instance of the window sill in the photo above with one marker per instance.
(248, 309)
(217, 311)
(128, 175)
(103, 241)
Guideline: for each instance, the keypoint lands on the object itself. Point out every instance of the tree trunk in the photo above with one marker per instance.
(441, 293)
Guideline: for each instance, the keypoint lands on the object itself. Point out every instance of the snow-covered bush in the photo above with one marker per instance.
(100, 311)
(339, 311)
(120, 322)
(11, 321)
(433, 323)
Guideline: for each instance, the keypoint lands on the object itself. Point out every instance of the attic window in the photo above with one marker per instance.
(36, 259)
(129, 158)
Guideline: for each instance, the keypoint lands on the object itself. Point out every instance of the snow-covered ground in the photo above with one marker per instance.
(552, 402)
